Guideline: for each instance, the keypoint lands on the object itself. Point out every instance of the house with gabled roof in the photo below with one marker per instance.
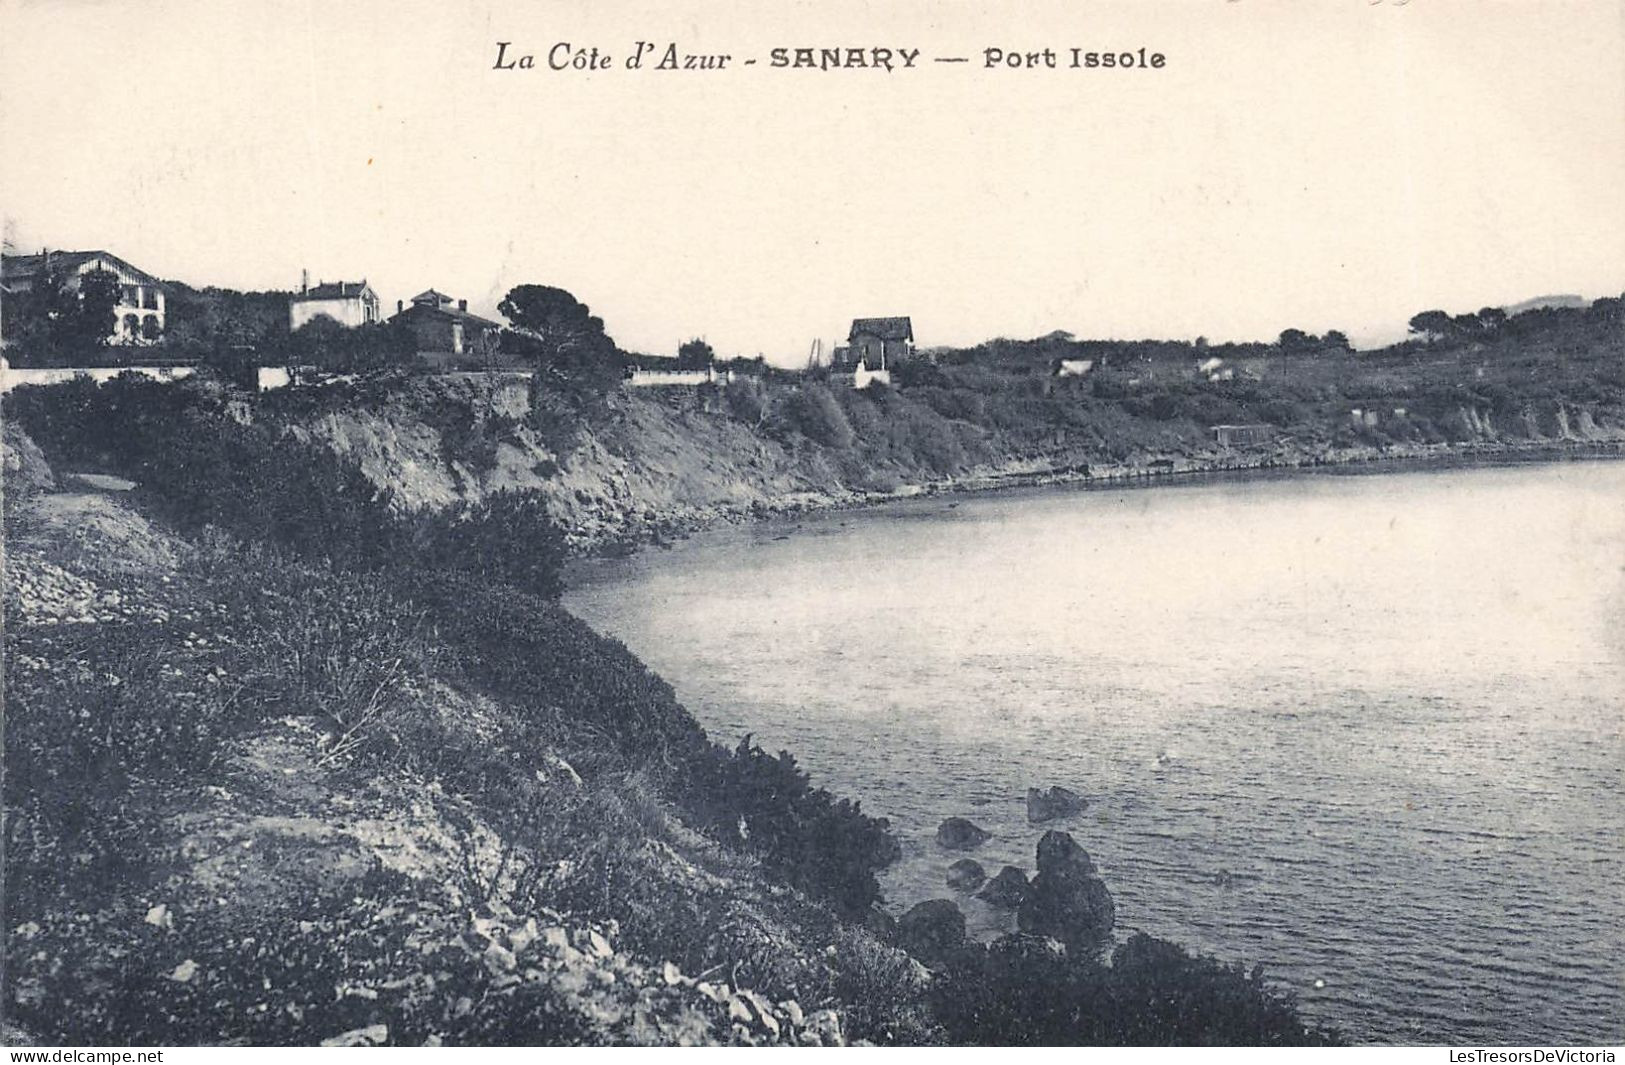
(876, 343)
(349, 303)
(139, 314)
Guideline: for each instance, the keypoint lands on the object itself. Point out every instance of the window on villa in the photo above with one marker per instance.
(132, 326)
(150, 329)
(129, 295)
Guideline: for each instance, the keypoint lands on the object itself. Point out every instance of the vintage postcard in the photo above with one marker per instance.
(907, 524)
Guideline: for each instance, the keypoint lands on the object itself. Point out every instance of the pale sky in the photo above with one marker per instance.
(1316, 165)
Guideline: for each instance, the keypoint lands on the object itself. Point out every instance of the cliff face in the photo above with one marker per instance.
(658, 461)
(647, 463)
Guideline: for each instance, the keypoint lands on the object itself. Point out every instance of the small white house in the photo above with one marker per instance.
(349, 303)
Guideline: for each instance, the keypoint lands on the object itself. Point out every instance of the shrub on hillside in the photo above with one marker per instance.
(747, 400)
(811, 411)
(827, 846)
(1020, 992)
(529, 652)
(93, 711)
(332, 646)
(507, 537)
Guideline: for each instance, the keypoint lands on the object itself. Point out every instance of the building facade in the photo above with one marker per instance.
(877, 343)
(1242, 435)
(138, 316)
(445, 329)
(349, 303)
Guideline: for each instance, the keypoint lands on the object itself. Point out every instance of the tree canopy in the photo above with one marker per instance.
(56, 322)
(695, 354)
(560, 335)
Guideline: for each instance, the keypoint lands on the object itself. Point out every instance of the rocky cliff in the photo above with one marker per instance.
(655, 462)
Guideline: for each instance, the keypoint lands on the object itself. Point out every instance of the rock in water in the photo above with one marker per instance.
(958, 834)
(932, 930)
(1059, 853)
(1007, 890)
(966, 874)
(1056, 802)
(1067, 901)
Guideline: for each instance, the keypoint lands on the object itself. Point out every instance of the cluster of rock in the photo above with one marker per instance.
(628, 1001)
(1065, 901)
(1047, 804)
(1064, 888)
(42, 593)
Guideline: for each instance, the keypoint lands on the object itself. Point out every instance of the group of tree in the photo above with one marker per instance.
(59, 322)
(695, 354)
(1441, 328)
(1436, 326)
(1298, 342)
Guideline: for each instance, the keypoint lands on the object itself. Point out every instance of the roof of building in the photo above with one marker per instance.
(335, 290)
(430, 296)
(884, 328)
(417, 310)
(18, 267)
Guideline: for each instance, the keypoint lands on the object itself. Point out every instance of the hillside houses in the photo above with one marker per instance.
(139, 313)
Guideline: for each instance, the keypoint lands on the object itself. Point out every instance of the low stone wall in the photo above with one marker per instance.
(669, 378)
(15, 376)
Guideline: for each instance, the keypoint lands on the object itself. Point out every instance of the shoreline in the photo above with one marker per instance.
(664, 532)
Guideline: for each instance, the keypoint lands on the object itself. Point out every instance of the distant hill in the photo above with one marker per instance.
(1540, 302)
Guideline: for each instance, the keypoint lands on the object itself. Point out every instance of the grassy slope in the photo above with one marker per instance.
(190, 861)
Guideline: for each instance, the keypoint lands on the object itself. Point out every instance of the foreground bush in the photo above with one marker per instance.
(826, 846)
(92, 714)
(1021, 992)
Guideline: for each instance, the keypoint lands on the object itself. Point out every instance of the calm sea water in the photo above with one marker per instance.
(1364, 730)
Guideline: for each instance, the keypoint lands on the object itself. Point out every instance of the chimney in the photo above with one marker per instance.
(462, 305)
(400, 305)
(304, 282)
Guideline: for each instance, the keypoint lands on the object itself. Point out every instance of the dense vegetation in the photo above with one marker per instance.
(66, 325)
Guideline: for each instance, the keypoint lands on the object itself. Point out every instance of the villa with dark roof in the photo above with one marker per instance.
(139, 314)
(876, 343)
(445, 329)
(349, 303)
